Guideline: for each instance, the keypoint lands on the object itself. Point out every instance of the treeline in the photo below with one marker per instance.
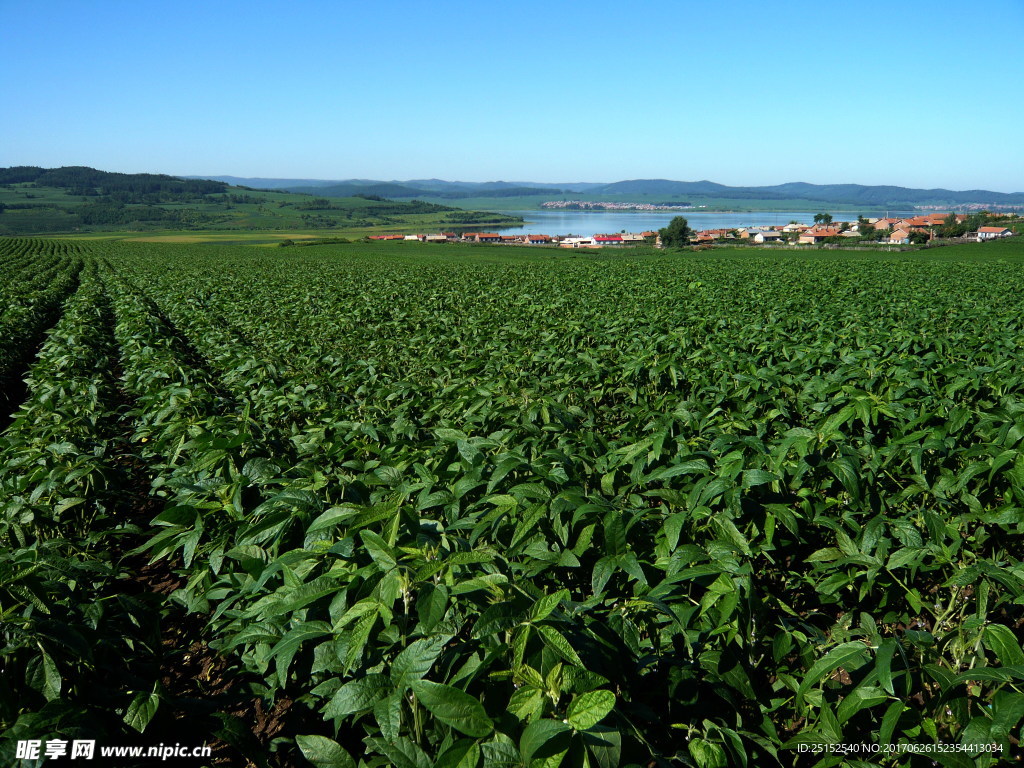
(53, 218)
(501, 192)
(480, 217)
(119, 187)
(92, 214)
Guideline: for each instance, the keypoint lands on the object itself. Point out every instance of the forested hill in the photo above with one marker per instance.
(855, 194)
(122, 187)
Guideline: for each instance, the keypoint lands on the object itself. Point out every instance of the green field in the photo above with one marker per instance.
(29, 209)
(407, 505)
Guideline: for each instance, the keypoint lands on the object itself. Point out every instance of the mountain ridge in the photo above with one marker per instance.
(856, 194)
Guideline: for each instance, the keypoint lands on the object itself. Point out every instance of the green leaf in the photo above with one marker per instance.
(454, 707)
(614, 533)
(501, 754)
(1007, 711)
(753, 477)
(1001, 640)
(883, 664)
(604, 745)
(544, 738)
(589, 709)
(388, 712)
(357, 696)
(52, 680)
(889, 722)
(286, 648)
(378, 550)
(401, 752)
(706, 754)
(323, 752)
(431, 606)
(903, 557)
(862, 697)
(141, 710)
(465, 753)
(846, 470)
(841, 655)
(527, 702)
(416, 660)
(559, 644)
(543, 607)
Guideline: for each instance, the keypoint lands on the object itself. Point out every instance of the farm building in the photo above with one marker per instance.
(817, 235)
(991, 233)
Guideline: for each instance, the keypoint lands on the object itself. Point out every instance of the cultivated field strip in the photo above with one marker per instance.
(564, 512)
(70, 635)
(41, 276)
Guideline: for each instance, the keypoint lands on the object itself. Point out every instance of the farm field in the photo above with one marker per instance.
(413, 505)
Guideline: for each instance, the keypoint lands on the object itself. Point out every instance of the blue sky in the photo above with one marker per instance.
(919, 94)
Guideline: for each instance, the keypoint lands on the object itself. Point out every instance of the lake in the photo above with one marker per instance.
(586, 223)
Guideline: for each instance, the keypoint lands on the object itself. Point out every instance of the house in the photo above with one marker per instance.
(767, 237)
(576, 242)
(436, 239)
(707, 235)
(899, 237)
(537, 239)
(632, 239)
(991, 233)
(886, 223)
(918, 223)
(794, 227)
(486, 237)
(606, 240)
(817, 235)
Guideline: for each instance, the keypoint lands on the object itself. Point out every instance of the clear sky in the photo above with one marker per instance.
(917, 94)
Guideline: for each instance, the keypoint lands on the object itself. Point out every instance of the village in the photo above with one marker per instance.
(890, 231)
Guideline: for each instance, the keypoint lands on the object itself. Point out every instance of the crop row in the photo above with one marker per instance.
(72, 643)
(35, 289)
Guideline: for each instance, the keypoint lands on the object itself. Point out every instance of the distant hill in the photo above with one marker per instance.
(411, 188)
(125, 187)
(831, 194)
(351, 189)
(449, 191)
(36, 200)
(851, 194)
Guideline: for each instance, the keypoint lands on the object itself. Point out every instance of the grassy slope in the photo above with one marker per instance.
(262, 211)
